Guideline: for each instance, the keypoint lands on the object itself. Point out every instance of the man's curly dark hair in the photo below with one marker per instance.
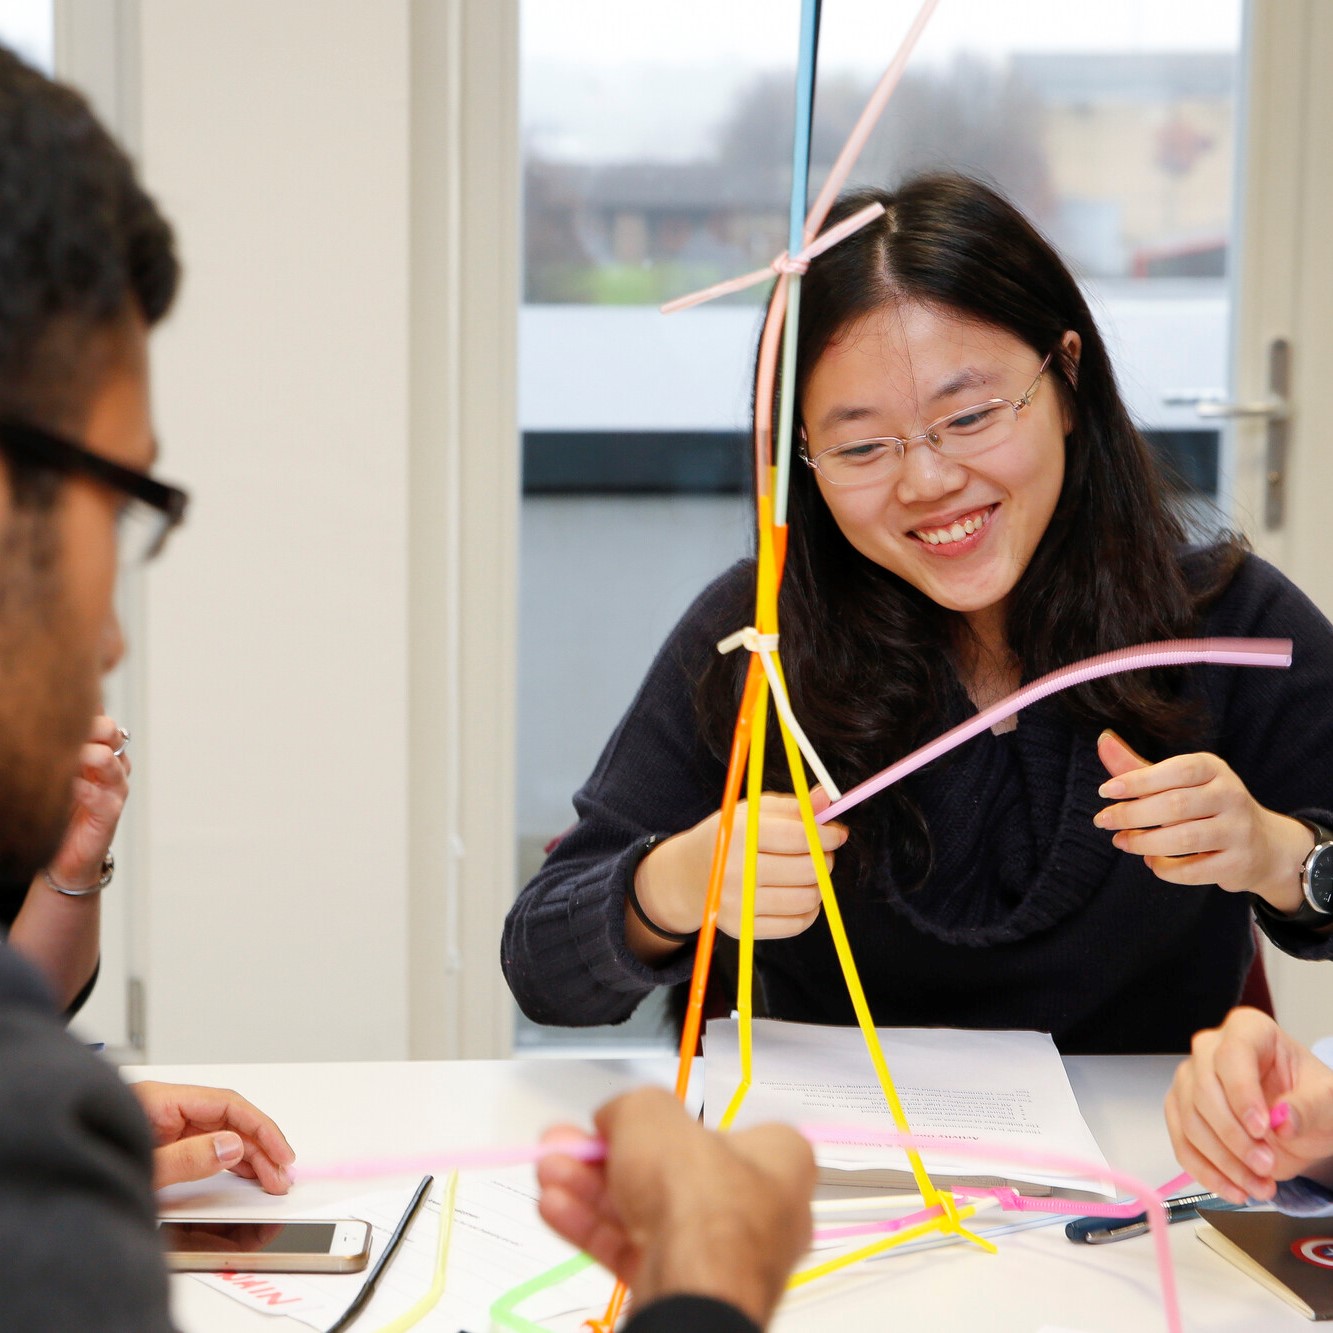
(82, 247)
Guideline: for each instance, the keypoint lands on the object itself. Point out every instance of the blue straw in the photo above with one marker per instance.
(800, 176)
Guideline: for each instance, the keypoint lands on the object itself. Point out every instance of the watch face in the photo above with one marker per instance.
(1320, 879)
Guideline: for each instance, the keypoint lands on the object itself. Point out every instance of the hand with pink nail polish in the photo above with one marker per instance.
(1225, 1111)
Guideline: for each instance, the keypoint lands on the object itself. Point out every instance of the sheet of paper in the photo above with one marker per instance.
(498, 1242)
(1008, 1088)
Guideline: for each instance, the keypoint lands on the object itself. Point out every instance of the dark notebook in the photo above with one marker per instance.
(1291, 1256)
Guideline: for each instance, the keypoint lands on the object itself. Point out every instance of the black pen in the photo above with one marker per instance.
(369, 1285)
(1100, 1230)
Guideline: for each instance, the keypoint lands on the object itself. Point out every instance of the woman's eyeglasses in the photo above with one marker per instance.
(961, 434)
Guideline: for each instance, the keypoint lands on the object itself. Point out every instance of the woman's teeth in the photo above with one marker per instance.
(956, 532)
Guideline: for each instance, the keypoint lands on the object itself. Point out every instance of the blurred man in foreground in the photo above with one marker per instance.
(86, 267)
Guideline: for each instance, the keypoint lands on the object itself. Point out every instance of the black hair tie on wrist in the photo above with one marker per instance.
(637, 907)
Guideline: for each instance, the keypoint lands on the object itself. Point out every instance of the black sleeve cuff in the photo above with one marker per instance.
(1294, 932)
(699, 1314)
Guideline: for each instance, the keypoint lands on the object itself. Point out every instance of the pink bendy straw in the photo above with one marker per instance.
(1170, 652)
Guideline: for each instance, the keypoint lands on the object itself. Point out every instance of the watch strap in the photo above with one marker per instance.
(1305, 915)
(631, 897)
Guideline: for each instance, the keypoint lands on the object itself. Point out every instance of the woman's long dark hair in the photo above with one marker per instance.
(870, 661)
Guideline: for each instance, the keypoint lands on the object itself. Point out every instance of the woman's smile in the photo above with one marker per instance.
(955, 534)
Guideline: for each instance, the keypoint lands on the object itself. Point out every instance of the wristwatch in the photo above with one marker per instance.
(1317, 873)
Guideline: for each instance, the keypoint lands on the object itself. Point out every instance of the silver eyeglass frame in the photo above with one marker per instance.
(930, 435)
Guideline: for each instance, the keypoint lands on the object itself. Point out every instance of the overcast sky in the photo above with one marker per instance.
(856, 33)
(623, 80)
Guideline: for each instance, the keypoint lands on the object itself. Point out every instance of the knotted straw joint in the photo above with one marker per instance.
(750, 639)
(764, 646)
(784, 263)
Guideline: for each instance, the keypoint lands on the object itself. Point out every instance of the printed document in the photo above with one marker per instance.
(1004, 1088)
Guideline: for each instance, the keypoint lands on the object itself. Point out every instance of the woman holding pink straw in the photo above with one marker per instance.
(1251, 1115)
(973, 509)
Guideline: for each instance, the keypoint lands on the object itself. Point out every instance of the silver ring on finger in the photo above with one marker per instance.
(124, 743)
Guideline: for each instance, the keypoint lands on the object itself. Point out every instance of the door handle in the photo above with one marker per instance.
(1275, 410)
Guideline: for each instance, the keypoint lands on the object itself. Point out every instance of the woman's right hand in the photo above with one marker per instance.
(671, 882)
(1219, 1109)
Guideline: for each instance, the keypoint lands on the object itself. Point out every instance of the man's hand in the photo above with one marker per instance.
(678, 1209)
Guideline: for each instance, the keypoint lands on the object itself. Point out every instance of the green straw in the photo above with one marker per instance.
(503, 1313)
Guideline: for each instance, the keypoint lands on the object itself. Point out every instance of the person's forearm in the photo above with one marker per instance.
(61, 936)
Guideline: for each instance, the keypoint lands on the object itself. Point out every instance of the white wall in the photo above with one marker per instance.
(272, 769)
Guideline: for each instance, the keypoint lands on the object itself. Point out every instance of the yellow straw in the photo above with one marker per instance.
(432, 1297)
(849, 972)
(745, 979)
(765, 618)
(879, 1247)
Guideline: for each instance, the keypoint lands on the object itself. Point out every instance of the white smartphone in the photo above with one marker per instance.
(266, 1245)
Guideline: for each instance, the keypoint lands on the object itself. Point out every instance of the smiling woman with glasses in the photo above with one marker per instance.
(150, 509)
(978, 509)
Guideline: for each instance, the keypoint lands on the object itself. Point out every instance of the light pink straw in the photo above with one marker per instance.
(1171, 652)
(882, 1227)
(1012, 1200)
(459, 1159)
(837, 177)
(784, 263)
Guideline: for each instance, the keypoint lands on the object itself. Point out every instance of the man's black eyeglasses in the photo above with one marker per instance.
(145, 523)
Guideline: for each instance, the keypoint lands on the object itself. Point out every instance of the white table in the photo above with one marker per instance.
(1038, 1279)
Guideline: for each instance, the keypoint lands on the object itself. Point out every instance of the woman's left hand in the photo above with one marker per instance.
(1194, 822)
